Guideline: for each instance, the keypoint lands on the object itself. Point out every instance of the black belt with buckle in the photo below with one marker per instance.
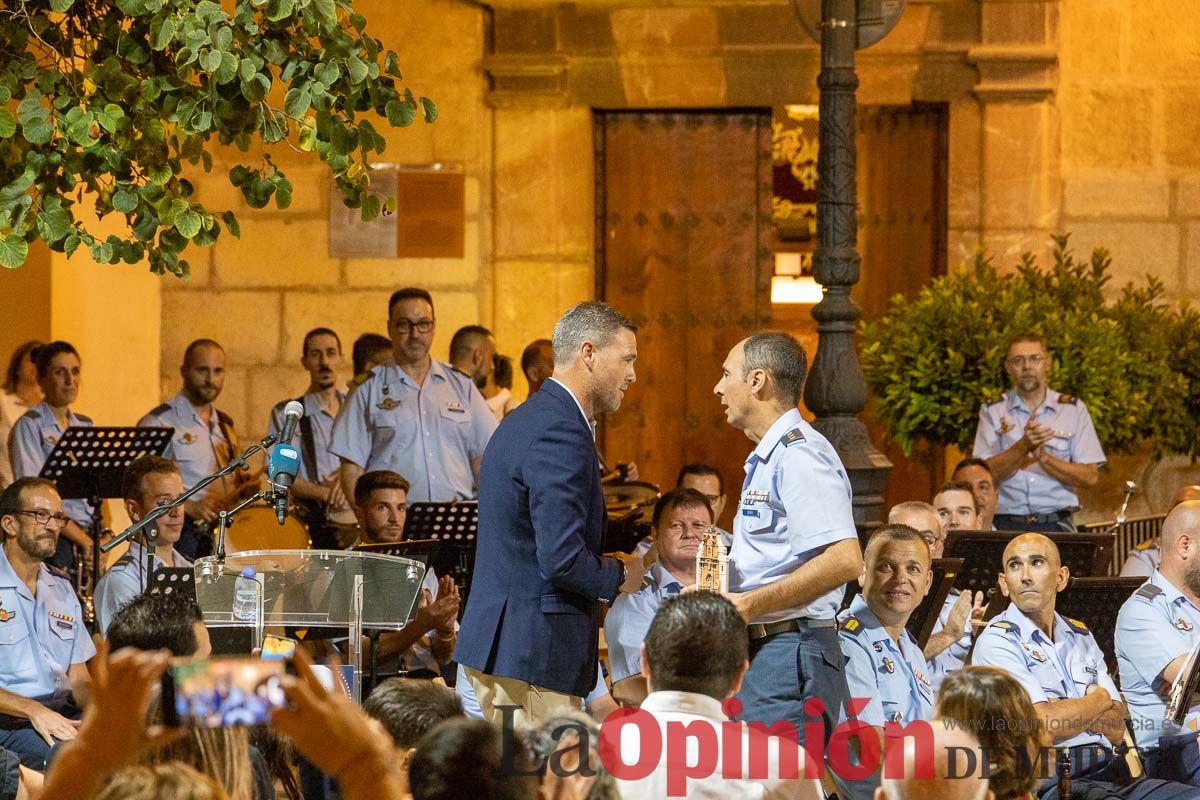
(765, 630)
(1053, 516)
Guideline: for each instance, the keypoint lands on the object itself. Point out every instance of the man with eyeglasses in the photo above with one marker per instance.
(413, 414)
(1040, 444)
(44, 646)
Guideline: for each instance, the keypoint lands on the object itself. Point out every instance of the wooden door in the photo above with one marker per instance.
(683, 209)
(902, 212)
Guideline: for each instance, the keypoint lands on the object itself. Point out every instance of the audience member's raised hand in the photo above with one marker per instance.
(336, 736)
(114, 731)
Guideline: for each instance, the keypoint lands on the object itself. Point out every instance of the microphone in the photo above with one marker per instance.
(282, 466)
(1130, 486)
(292, 413)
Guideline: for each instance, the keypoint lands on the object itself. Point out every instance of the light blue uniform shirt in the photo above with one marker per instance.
(892, 674)
(33, 436)
(125, 581)
(40, 638)
(1142, 560)
(1155, 626)
(429, 434)
(322, 428)
(1031, 490)
(194, 445)
(795, 502)
(630, 617)
(954, 657)
(1062, 669)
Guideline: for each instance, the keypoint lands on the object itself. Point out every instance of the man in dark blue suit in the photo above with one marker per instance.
(529, 637)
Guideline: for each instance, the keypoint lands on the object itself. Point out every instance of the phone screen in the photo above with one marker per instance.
(222, 692)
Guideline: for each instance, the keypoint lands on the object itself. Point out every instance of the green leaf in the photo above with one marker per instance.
(124, 201)
(188, 223)
(325, 11)
(227, 69)
(162, 31)
(61, 6)
(370, 207)
(210, 60)
(8, 123)
(278, 10)
(400, 113)
(283, 196)
(231, 223)
(256, 88)
(429, 109)
(296, 102)
(13, 251)
(358, 70)
(224, 39)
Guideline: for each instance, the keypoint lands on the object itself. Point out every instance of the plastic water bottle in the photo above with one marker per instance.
(245, 596)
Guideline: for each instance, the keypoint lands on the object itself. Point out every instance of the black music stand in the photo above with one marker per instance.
(1085, 554)
(1095, 602)
(454, 525)
(173, 581)
(89, 464)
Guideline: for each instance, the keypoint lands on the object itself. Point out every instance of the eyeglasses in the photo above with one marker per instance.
(44, 517)
(408, 325)
(1033, 360)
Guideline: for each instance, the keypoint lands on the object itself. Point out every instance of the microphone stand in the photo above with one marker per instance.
(226, 516)
(161, 511)
(1130, 487)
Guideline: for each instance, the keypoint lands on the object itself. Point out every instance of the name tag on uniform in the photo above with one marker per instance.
(455, 407)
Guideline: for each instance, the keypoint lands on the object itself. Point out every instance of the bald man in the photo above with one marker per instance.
(1157, 629)
(1143, 559)
(948, 645)
(954, 752)
(1059, 664)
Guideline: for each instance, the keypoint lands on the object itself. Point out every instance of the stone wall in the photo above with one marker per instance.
(259, 294)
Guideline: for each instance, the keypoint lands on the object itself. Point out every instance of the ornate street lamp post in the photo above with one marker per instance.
(836, 391)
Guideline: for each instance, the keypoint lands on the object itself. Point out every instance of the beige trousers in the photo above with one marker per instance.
(534, 703)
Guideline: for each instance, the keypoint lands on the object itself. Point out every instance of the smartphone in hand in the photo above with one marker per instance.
(222, 692)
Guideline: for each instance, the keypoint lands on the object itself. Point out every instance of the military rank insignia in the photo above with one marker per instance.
(388, 403)
(1037, 656)
(889, 665)
(878, 646)
(52, 439)
(6, 615)
(1183, 624)
(1005, 426)
(187, 438)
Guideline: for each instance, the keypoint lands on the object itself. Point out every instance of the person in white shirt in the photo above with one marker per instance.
(694, 657)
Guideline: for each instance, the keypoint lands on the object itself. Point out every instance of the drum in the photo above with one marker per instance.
(621, 498)
(257, 529)
(345, 527)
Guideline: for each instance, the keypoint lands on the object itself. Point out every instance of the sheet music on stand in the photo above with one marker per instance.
(89, 463)
(453, 524)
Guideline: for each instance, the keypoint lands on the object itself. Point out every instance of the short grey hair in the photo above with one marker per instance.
(782, 357)
(911, 507)
(589, 321)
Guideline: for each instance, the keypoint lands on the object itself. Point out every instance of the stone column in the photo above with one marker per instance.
(836, 391)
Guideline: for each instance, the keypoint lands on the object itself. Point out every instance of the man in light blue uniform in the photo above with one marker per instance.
(1157, 629)
(44, 645)
(794, 541)
(203, 442)
(680, 520)
(35, 433)
(1057, 661)
(317, 489)
(414, 415)
(148, 481)
(884, 663)
(1040, 444)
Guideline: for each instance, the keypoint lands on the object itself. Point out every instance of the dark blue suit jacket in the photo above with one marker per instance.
(534, 609)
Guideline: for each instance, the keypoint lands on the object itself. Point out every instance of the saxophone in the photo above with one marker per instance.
(85, 582)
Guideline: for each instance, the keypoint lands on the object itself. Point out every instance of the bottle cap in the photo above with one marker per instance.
(247, 572)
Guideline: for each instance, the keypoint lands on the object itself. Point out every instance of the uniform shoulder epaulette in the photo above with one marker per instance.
(85, 418)
(1148, 591)
(851, 625)
(32, 413)
(1076, 624)
(57, 571)
(225, 418)
(1068, 399)
(362, 377)
(792, 437)
(159, 410)
(1003, 625)
(1149, 544)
